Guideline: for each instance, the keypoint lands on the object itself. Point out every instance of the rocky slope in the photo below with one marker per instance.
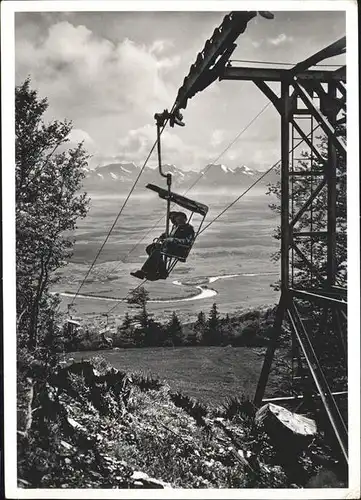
(90, 426)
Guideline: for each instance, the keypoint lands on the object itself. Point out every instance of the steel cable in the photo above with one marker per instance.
(253, 184)
(200, 177)
(119, 213)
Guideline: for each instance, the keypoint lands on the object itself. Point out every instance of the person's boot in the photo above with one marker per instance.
(138, 274)
(266, 14)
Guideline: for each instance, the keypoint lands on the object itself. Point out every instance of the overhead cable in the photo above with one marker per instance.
(253, 184)
(119, 214)
(201, 176)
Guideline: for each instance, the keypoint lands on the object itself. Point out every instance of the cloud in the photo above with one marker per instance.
(217, 137)
(77, 135)
(255, 154)
(137, 143)
(159, 46)
(280, 39)
(78, 70)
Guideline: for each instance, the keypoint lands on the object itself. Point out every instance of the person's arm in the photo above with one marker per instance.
(186, 238)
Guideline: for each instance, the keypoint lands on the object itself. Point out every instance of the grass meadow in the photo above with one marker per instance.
(209, 374)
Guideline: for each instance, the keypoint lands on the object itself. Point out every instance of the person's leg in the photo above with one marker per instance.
(150, 248)
(149, 264)
(154, 267)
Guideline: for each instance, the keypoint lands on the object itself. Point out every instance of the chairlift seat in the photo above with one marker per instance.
(176, 250)
(172, 251)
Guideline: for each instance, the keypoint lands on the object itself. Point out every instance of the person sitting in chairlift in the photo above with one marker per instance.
(177, 243)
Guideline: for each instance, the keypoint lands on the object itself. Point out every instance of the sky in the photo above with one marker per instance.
(109, 72)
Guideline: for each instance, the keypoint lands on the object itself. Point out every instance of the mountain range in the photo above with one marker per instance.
(119, 176)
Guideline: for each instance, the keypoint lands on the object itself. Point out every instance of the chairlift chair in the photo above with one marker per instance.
(182, 251)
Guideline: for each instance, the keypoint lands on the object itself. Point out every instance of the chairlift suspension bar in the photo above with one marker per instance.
(119, 214)
(160, 119)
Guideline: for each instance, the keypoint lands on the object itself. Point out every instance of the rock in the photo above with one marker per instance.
(325, 479)
(142, 480)
(66, 445)
(75, 425)
(286, 429)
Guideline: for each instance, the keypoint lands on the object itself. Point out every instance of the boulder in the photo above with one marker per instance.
(286, 429)
(142, 480)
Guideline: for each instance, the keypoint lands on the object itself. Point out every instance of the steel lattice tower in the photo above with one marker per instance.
(313, 296)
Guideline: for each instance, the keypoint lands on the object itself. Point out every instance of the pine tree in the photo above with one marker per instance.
(48, 203)
(138, 298)
(174, 331)
(125, 333)
(226, 330)
(212, 334)
(127, 321)
(199, 327)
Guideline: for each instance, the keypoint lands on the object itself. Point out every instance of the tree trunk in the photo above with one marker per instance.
(43, 280)
(25, 410)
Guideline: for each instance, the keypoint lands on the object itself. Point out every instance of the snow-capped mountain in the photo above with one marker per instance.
(116, 176)
(221, 175)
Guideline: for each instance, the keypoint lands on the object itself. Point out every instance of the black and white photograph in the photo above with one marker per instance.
(181, 249)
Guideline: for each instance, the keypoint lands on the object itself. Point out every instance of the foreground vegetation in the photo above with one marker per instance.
(95, 426)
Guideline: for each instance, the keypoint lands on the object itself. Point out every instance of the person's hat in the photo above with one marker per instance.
(175, 214)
